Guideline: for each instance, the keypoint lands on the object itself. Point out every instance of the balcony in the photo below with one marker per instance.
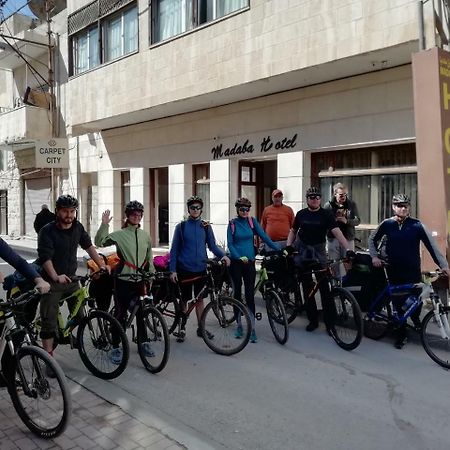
(29, 43)
(20, 127)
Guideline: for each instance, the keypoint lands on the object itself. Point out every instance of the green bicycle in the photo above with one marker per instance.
(98, 333)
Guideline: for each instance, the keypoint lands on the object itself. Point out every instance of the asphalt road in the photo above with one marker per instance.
(308, 394)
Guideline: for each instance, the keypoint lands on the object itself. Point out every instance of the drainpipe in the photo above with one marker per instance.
(421, 25)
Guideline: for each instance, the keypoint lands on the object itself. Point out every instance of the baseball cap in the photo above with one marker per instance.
(277, 192)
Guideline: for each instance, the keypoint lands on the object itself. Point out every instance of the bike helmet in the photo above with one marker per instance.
(194, 199)
(134, 205)
(66, 201)
(242, 201)
(400, 198)
(313, 191)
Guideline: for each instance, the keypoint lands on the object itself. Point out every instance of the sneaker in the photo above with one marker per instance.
(148, 351)
(312, 326)
(417, 324)
(239, 332)
(180, 335)
(253, 338)
(116, 356)
(208, 334)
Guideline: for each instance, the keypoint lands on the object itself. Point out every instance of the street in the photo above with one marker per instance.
(308, 394)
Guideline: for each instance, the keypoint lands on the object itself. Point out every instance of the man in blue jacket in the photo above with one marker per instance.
(188, 256)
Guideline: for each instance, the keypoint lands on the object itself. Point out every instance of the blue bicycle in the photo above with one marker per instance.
(390, 310)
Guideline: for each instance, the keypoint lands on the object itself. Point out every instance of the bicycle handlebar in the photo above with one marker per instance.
(19, 301)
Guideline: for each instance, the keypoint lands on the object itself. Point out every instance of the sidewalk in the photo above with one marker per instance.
(94, 423)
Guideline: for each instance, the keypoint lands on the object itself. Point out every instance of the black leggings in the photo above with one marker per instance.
(247, 272)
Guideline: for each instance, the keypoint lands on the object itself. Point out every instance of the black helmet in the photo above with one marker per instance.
(313, 191)
(66, 201)
(134, 205)
(400, 198)
(194, 199)
(242, 201)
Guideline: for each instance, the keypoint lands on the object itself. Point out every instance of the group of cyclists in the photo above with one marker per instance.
(307, 237)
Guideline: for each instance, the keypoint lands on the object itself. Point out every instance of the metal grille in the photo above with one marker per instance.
(109, 6)
(83, 17)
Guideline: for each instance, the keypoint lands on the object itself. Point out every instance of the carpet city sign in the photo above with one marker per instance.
(52, 154)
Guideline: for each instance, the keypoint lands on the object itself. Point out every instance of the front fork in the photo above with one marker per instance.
(441, 319)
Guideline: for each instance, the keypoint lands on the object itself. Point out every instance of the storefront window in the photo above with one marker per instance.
(373, 176)
(200, 175)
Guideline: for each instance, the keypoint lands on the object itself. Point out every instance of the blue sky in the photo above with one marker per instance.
(13, 5)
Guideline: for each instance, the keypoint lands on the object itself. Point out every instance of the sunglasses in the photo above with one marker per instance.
(314, 197)
(244, 209)
(278, 196)
(402, 205)
(195, 208)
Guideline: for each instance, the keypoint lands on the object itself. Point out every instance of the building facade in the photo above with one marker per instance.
(222, 99)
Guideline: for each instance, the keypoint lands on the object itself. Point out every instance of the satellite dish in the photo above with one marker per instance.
(38, 7)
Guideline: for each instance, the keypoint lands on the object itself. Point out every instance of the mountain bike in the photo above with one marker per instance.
(271, 294)
(96, 329)
(152, 335)
(347, 327)
(218, 321)
(42, 402)
(390, 310)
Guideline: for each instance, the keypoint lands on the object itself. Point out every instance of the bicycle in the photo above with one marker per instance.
(347, 327)
(42, 402)
(96, 328)
(152, 336)
(271, 294)
(219, 316)
(385, 313)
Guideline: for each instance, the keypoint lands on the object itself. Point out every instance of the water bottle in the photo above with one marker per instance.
(409, 302)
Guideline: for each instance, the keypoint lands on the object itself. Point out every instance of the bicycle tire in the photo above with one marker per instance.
(276, 315)
(347, 329)
(157, 335)
(169, 307)
(292, 300)
(377, 327)
(96, 333)
(45, 405)
(218, 330)
(437, 347)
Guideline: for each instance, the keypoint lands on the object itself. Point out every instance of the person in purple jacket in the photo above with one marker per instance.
(188, 256)
(241, 234)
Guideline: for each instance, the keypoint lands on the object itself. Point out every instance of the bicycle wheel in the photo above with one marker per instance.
(153, 341)
(169, 307)
(218, 328)
(102, 345)
(436, 345)
(277, 316)
(43, 403)
(292, 301)
(348, 327)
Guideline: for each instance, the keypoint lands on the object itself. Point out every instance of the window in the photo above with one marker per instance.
(200, 177)
(111, 37)
(372, 175)
(86, 51)
(173, 17)
(121, 34)
(125, 187)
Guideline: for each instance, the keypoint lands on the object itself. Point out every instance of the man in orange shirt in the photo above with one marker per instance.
(277, 219)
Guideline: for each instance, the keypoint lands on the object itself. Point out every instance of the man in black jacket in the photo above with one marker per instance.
(43, 217)
(347, 218)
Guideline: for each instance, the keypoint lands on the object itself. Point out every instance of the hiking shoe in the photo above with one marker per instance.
(312, 326)
(116, 356)
(401, 338)
(180, 335)
(147, 349)
(208, 334)
(238, 332)
(253, 338)
(417, 324)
